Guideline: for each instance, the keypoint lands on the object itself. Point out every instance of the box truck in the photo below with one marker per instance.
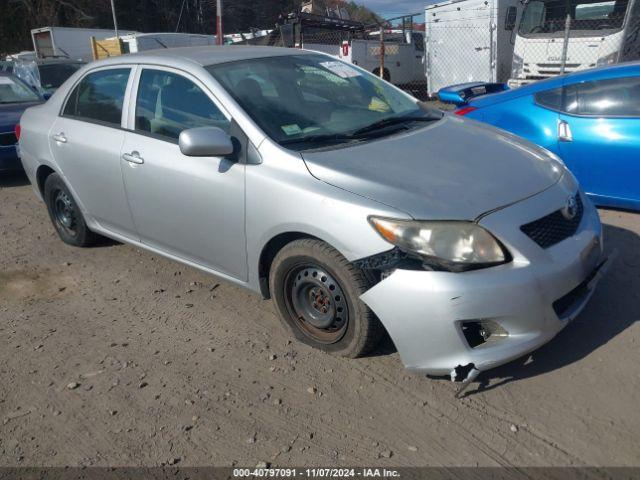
(140, 42)
(596, 32)
(469, 41)
(72, 43)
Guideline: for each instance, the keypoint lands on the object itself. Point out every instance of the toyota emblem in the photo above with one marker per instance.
(570, 209)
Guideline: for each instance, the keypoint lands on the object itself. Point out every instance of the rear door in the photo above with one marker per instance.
(189, 207)
(600, 133)
(86, 140)
(460, 44)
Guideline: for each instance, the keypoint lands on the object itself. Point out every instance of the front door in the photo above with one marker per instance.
(189, 207)
(86, 141)
(600, 134)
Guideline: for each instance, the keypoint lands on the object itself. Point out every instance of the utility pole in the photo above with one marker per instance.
(219, 35)
(115, 20)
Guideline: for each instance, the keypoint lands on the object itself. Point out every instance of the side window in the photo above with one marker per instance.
(615, 97)
(168, 103)
(99, 97)
(550, 98)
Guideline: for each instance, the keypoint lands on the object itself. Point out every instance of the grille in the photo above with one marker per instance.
(8, 139)
(555, 227)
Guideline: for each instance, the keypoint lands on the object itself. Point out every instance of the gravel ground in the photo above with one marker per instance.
(113, 356)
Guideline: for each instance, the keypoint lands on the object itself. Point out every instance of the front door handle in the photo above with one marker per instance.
(133, 157)
(564, 132)
(60, 137)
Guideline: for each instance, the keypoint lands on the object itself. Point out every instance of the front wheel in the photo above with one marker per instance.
(317, 294)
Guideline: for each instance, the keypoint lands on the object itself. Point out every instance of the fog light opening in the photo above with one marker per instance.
(478, 332)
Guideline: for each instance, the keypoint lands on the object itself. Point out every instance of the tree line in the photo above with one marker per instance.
(192, 16)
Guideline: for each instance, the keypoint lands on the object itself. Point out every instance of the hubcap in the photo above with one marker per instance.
(64, 211)
(317, 304)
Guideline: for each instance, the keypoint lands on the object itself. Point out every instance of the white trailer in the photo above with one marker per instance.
(469, 41)
(140, 42)
(72, 43)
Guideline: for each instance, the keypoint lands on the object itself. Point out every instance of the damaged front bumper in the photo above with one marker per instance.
(516, 307)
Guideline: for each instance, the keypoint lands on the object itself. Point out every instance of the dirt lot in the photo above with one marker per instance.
(113, 356)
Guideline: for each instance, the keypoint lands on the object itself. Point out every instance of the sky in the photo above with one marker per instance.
(394, 8)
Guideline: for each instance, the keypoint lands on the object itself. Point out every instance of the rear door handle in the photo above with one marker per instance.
(59, 137)
(564, 132)
(133, 157)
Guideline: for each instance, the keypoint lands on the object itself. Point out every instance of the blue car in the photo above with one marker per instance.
(15, 97)
(590, 119)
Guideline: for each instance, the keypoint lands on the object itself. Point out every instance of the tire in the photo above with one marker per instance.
(316, 292)
(65, 214)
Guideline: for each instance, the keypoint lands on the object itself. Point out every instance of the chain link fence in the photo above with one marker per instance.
(520, 43)
(505, 41)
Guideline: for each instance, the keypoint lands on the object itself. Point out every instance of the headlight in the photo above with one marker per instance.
(517, 66)
(607, 59)
(449, 244)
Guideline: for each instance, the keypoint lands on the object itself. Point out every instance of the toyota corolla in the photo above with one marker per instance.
(316, 184)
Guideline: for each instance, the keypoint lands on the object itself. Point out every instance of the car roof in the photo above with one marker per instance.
(203, 55)
(611, 71)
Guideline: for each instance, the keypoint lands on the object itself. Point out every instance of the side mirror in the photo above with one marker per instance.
(205, 142)
(46, 95)
(510, 18)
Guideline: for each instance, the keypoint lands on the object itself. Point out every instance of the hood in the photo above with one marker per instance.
(454, 169)
(10, 113)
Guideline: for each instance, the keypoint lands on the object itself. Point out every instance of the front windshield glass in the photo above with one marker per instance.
(549, 16)
(54, 75)
(14, 91)
(313, 98)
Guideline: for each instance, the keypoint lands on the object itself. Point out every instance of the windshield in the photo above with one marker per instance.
(14, 91)
(549, 16)
(313, 98)
(54, 75)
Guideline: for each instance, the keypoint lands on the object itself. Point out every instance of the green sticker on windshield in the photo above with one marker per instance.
(292, 129)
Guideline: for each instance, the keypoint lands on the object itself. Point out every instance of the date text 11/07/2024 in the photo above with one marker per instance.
(316, 473)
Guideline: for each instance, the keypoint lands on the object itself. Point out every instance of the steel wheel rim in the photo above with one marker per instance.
(64, 212)
(316, 303)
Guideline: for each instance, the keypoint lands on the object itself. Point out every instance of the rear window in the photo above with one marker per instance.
(54, 75)
(99, 97)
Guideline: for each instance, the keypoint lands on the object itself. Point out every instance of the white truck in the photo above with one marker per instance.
(350, 41)
(139, 42)
(71, 43)
(600, 32)
(469, 41)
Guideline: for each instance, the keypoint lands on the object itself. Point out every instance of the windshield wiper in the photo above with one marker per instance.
(389, 121)
(319, 139)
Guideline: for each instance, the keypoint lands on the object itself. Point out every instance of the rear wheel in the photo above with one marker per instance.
(65, 214)
(317, 294)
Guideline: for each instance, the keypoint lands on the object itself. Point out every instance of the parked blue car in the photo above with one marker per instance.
(15, 97)
(590, 119)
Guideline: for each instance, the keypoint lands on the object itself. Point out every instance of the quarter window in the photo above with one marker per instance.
(550, 98)
(168, 103)
(99, 97)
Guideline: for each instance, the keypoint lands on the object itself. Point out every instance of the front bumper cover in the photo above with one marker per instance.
(423, 311)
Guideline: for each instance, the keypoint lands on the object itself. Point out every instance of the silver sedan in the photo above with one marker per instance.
(310, 181)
